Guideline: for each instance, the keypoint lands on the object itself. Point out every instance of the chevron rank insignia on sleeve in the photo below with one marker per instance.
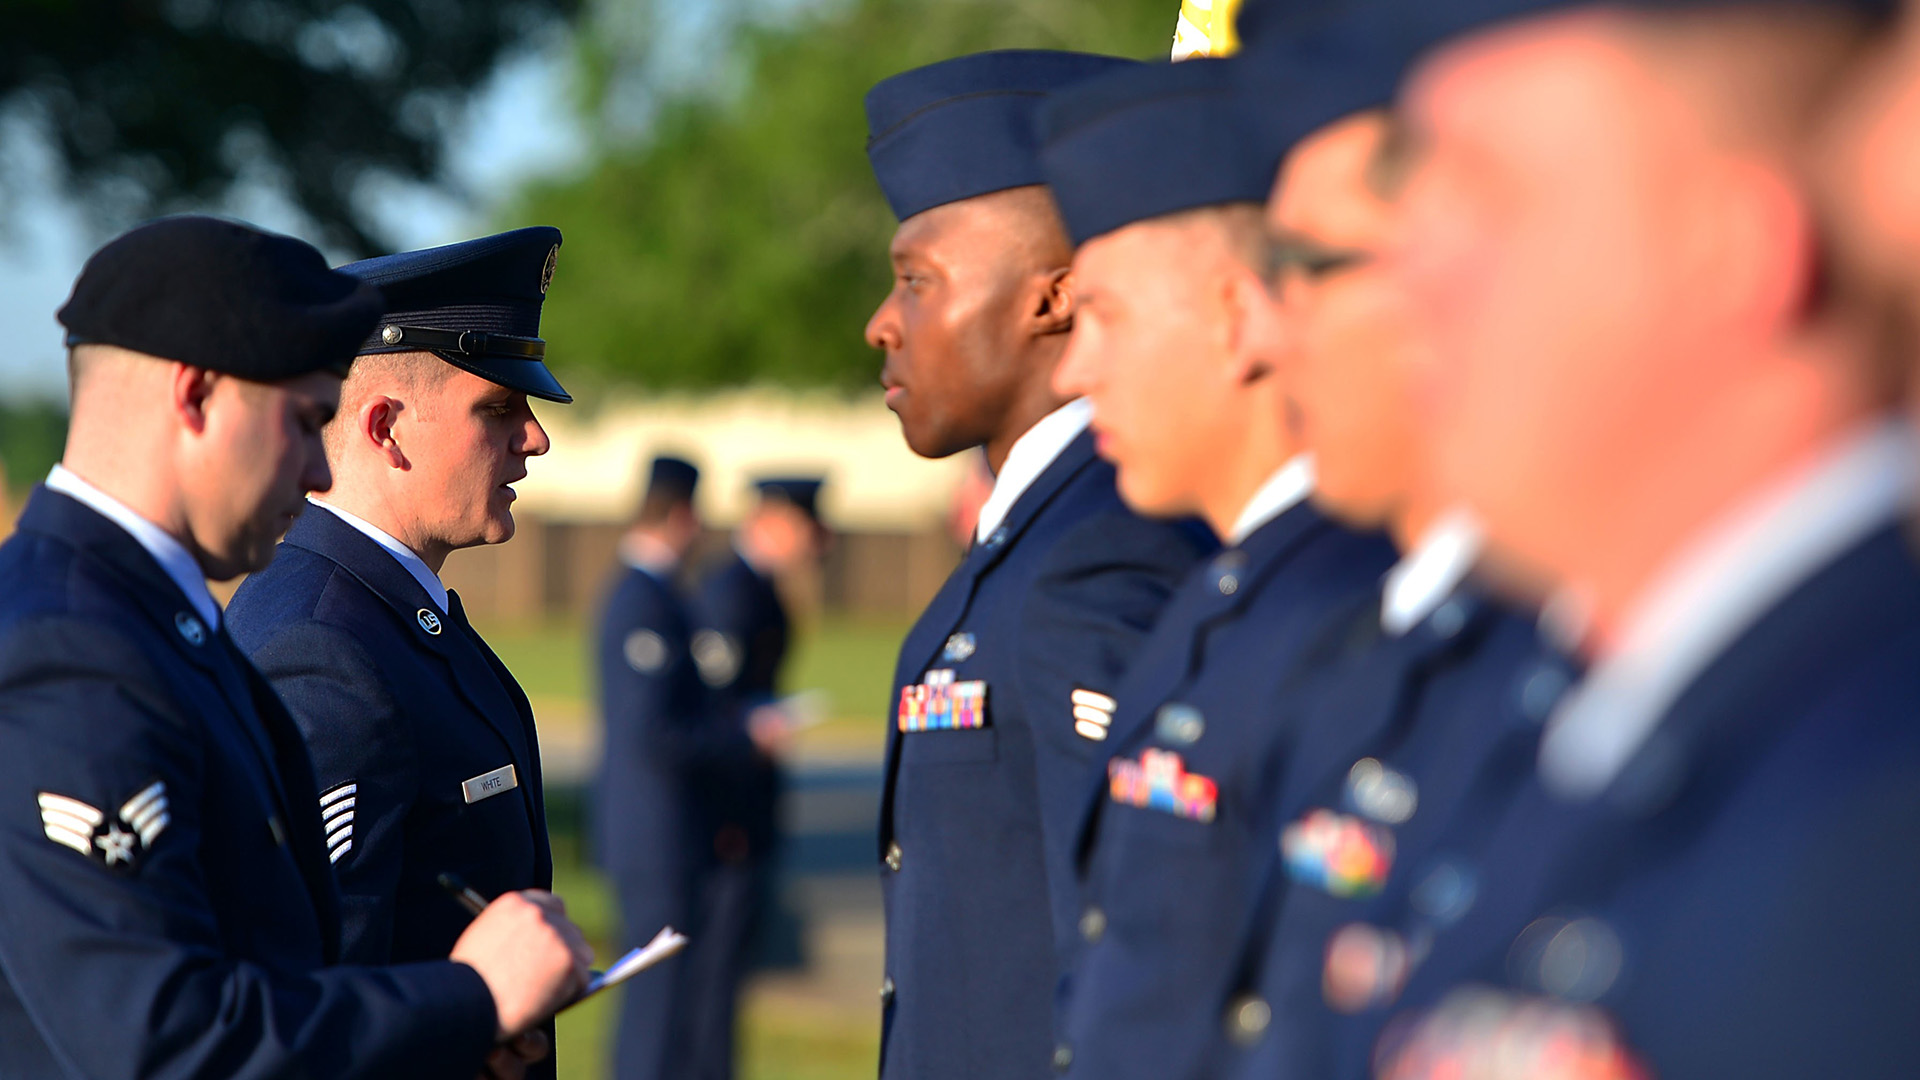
(336, 817)
(118, 842)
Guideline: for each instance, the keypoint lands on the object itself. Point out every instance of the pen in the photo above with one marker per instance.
(458, 888)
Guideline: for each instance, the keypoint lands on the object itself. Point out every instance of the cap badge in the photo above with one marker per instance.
(546, 272)
(428, 621)
(392, 335)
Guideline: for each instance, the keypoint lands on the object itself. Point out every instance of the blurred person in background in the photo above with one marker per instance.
(1174, 344)
(1430, 688)
(164, 858)
(987, 768)
(423, 743)
(654, 832)
(739, 648)
(1650, 392)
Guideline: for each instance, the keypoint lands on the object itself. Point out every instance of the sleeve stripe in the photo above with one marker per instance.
(340, 792)
(52, 802)
(80, 842)
(339, 807)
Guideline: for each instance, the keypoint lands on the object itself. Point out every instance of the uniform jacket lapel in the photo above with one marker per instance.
(942, 616)
(474, 671)
(285, 775)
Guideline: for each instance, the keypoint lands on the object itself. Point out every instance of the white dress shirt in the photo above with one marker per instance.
(1714, 590)
(1284, 490)
(1029, 456)
(402, 553)
(1421, 581)
(170, 553)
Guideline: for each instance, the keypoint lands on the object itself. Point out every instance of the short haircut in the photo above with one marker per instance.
(408, 372)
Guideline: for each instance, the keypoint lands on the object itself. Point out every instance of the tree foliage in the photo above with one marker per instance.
(745, 238)
(152, 104)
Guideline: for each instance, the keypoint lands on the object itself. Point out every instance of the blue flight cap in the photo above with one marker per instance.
(222, 296)
(1304, 65)
(965, 127)
(475, 304)
(1146, 141)
(673, 477)
(802, 492)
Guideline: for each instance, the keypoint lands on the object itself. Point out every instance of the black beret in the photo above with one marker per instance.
(800, 491)
(475, 304)
(672, 476)
(1146, 141)
(1305, 65)
(223, 296)
(965, 127)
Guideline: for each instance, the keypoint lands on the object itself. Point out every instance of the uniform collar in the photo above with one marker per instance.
(1714, 590)
(172, 556)
(1284, 490)
(1419, 583)
(404, 555)
(1029, 456)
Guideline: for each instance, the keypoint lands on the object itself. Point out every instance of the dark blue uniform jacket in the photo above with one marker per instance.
(740, 645)
(405, 707)
(193, 936)
(1739, 900)
(976, 819)
(1407, 727)
(1167, 883)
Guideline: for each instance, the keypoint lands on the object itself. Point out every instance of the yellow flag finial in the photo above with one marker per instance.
(1206, 29)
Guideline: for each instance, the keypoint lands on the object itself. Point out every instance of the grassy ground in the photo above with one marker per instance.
(806, 1026)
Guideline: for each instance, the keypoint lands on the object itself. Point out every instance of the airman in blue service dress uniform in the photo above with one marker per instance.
(169, 909)
(739, 646)
(653, 834)
(1671, 891)
(1204, 712)
(985, 770)
(423, 743)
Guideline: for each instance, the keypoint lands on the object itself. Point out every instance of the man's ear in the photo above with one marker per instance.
(1053, 308)
(191, 388)
(1252, 327)
(374, 421)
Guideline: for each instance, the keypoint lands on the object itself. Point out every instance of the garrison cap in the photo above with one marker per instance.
(223, 296)
(965, 127)
(673, 477)
(475, 304)
(1150, 140)
(1304, 65)
(802, 492)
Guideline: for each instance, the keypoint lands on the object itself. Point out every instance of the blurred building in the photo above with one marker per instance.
(889, 508)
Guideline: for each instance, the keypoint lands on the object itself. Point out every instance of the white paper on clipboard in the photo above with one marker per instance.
(664, 944)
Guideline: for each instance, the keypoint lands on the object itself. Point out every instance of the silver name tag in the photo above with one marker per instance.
(487, 785)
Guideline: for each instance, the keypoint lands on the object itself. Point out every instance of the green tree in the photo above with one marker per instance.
(152, 104)
(744, 239)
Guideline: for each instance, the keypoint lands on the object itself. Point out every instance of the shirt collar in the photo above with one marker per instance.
(403, 554)
(1284, 490)
(1029, 456)
(1716, 588)
(172, 555)
(1419, 583)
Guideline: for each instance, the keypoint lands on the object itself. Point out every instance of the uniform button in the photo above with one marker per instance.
(997, 537)
(1247, 1019)
(886, 991)
(1093, 925)
(1062, 1058)
(893, 856)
